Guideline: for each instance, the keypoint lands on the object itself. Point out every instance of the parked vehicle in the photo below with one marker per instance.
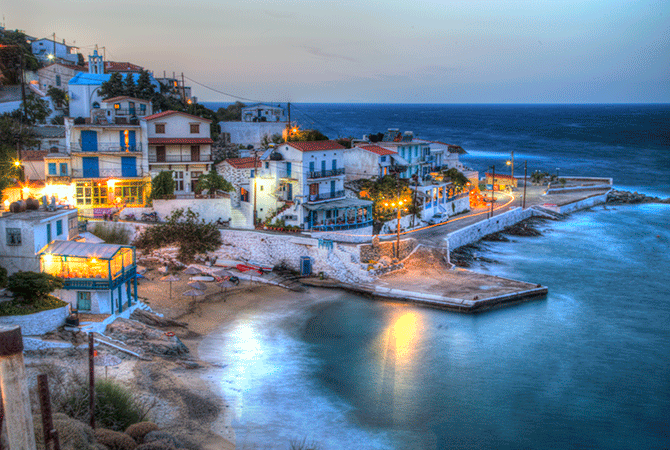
(129, 217)
(150, 217)
(438, 218)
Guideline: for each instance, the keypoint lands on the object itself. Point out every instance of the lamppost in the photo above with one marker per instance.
(398, 206)
(525, 174)
(510, 163)
(493, 188)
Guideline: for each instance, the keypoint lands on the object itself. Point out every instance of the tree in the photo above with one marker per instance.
(384, 193)
(14, 47)
(456, 177)
(58, 96)
(129, 87)
(162, 186)
(274, 139)
(231, 113)
(113, 87)
(144, 89)
(213, 182)
(307, 136)
(36, 110)
(33, 285)
(80, 60)
(3, 277)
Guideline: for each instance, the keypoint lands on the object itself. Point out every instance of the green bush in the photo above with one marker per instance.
(116, 407)
(72, 434)
(33, 285)
(184, 229)
(21, 308)
(114, 440)
(112, 233)
(3, 277)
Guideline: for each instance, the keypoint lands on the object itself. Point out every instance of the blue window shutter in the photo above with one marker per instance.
(52, 168)
(48, 233)
(63, 169)
(311, 166)
(128, 166)
(89, 141)
(59, 228)
(334, 164)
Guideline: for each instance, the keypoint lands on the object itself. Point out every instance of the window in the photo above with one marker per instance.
(179, 181)
(251, 174)
(383, 158)
(143, 109)
(261, 187)
(13, 236)
(48, 233)
(59, 228)
(57, 80)
(63, 169)
(195, 128)
(52, 169)
(267, 165)
(160, 128)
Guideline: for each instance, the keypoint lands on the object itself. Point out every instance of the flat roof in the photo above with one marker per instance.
(36, 216)
(83, 249)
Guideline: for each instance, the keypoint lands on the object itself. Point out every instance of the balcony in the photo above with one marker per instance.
(325, 173)
(103, 147)
(171, 159)
(109, 173)
(126, 274)
(321, 196)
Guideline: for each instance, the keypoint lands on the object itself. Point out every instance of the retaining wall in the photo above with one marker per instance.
(209, 209)
(355, 235)
(375, 252)
(583, 204)
(476, 231)
(38, 323)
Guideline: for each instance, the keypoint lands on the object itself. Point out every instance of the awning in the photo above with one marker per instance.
(339, 204)
(399, 160)
(82, 249)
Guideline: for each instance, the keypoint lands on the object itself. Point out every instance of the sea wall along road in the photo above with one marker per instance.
(476, 231)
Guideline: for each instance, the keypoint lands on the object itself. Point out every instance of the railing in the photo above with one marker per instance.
(342, 226)
(325, 196)
(325, 173)
(107, 148)
(129, 112)
(100, 283)
(108, 173)
(179, 159)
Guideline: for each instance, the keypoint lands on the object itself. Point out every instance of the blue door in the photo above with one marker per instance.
(48, 233)
(323, 168)
(332, 189)
(127, 140)
(334, 164)
(90, 166)
(288, 169)
(128, 166)
(89, 141)
(289, 192)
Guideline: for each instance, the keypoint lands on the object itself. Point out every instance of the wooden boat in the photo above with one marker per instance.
(247, 268)
(201, 278)
(259, 266)
(226, 263)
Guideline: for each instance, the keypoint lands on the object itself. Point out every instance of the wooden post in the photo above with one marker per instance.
(50, 433)
(91, 379)
(15, 399)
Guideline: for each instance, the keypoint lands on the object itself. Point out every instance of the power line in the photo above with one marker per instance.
(221, 92)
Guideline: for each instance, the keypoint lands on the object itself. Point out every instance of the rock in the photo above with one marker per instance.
(163, 270)
(145, 337)
(385, 261)
(155, 320)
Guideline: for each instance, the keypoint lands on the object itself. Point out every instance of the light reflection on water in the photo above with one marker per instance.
(585, 368)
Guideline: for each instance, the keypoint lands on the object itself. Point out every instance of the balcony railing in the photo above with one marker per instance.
(179, 159)
(342, 226)
(128, 273)
(108, 173)
(107, 148)
(325, 173)
(321, 196)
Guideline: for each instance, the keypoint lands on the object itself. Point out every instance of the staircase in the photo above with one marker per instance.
(237, 218)
(278, 213)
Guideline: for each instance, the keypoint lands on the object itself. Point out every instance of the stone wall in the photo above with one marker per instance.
(476, 231)
(209, 209)
(375, 251)
(583, 204)
(38, 323)
(337, 261)
(356, 235)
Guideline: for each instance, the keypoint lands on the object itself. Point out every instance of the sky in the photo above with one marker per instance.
(370, 51)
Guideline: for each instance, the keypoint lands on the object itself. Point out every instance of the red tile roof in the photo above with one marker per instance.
(171, 112)
(500, 176)
(315, 146)
(159, 141)
(244, 163)
(33, 155)
(124, 97)
(381, 151)
(118, 66)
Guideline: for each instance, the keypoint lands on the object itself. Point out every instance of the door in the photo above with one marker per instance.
(332, 189)
(131, 108)
(288, 169)
(160, 153)
(89, 141)
(195, 153)
(289, 192)
(127, 140)
(48, 233)
(83, 301)
(90, 166)
(128, 166)
(323, 168)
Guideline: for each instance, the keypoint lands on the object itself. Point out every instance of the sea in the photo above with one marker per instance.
(586, 367)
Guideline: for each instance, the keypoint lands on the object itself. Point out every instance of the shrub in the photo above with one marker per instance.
(72, 434)
(33, 285)
(115, 440)
(21, 308)
(116, 407)
(137, 431)
(185, 230)
(3, 277)
(163, 437)
(163, 444)
(112, 233)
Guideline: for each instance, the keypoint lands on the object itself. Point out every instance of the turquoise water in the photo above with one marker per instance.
(587, 367)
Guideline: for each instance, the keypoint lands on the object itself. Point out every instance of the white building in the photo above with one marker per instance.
(24, 234)
(304, 182)
(366, 161)
(439, 197)
(58, 75)
(181, 143)
(47, 49)
(239, 172)
(264, 113)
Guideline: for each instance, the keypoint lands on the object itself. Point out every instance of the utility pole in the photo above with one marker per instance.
(493, 189)
(54, 53)
(183, 89)
(525, 174)
(255, 175)
(397, 242)
(288, 125)
(416, 186)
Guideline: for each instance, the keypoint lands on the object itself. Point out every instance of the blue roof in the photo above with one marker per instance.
(96, 79)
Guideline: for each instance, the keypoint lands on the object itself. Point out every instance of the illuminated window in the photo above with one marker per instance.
(160, 128)
(195, 128)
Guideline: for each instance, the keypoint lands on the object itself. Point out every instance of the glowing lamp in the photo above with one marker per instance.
(94, 261)
(17, 163)
(509, 163)
(25, 189)
(117, 105)
(294, 130)
(6, 203)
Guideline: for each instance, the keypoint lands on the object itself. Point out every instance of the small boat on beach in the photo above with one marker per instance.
(227, 263)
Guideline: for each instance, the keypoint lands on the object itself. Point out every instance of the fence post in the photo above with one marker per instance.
(15, 399)
(50, 434)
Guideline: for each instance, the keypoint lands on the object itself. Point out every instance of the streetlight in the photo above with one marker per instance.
(398, 207)
(510, 163)
(493, 188)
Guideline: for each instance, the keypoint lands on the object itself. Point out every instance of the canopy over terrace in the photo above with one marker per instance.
(90, 266)
(342, 214)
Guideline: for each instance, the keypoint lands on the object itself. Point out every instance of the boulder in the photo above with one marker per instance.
(145, 337)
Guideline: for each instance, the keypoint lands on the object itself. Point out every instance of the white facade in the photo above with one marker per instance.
(181, 143)
(57, 75)
(251, 133)
(42, 48)
(366, 161)
(24, 234)
(264, 113)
